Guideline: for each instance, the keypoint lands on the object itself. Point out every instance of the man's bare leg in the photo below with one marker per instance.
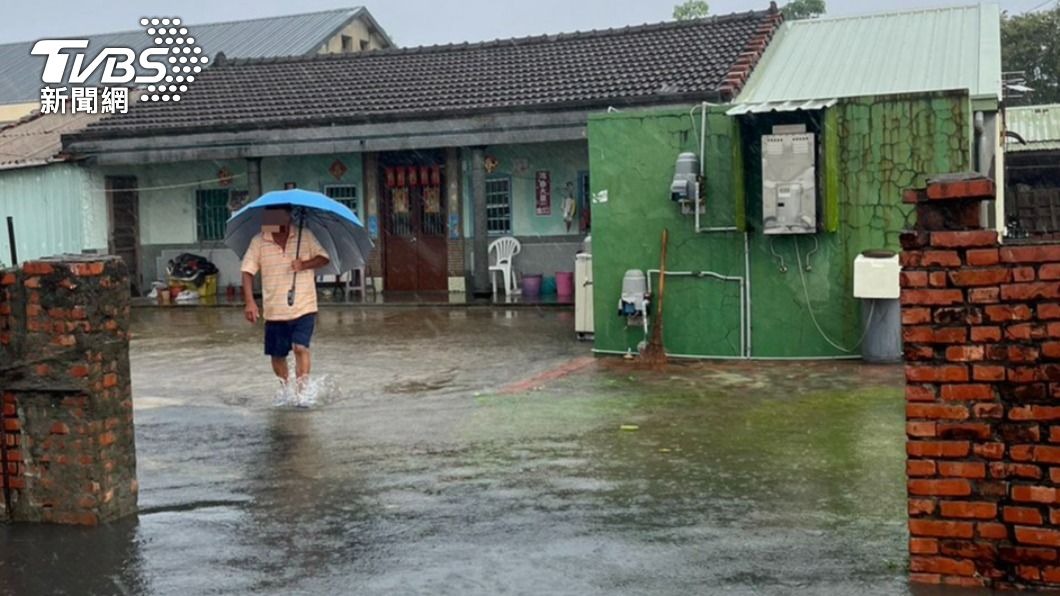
(279, 366)
(301, 361)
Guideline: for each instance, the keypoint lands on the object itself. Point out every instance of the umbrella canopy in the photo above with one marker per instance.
(337, 228)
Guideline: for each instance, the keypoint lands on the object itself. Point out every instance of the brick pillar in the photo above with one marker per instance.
(68, 419)
(981, 326)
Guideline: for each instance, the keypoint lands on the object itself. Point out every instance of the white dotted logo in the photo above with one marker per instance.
(185, 59)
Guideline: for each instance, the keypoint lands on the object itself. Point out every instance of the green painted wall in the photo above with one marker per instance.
(57, 208)
(884, 145)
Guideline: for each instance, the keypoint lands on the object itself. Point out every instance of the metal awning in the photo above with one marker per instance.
(781, 106)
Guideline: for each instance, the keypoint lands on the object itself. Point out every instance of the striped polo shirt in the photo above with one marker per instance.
(275, 263)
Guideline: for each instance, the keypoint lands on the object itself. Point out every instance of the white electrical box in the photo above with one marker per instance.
(876, 277)
(583, 295)
(789, 189)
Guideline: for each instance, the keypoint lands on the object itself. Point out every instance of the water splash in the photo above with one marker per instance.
(318, 390)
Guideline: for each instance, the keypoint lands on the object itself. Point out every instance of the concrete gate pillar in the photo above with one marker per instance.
(481, 283)
(67, 420)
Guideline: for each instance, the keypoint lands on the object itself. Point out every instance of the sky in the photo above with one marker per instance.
(409, 22)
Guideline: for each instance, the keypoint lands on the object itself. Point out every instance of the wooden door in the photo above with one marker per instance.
(414, 230)
(123, 208)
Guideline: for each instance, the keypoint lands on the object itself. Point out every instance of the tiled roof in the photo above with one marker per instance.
(286, 35)
(36, 140)
(648, 64)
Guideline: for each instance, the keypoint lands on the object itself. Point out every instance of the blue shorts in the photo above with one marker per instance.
(280, 335)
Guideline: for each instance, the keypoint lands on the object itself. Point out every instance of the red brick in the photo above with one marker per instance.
(941, 565)
(964, 238)
(923, 546)
(1051, 349)
(980, 257)
(964, 353)
(921, 392)
(1030, 254)
(32, 282)
(1049, 311)
(985, 334)
(980, 277)
(917, 352)
(921, 507)
(932, 335)
(936, 411)
(967, 392)
(1019, 331)
(984, 295)
(950, 487)
(1021, 452)
(988, 372)
(78, 371)
(1022, 515)
(938, 279)
(941, 529)
(953, 469)
(920, 467)
(937, 448)
(110, 380)
(963, 430)
(1022, 274)
(8, 279)
(991, 530)
(1037, 536)
(86, 269)
(988, 411)
(59, 428)
(1053, 329)
(1047, 454)
(913, 279)
(1048, 290)
(979, 188)
(916, 316)
(1046, 413)
(1034, 494)
(925, 578)
(1004, 470)
(949, 373)
(920, 429)
(1023, 354)
(940, 258)
(932, 297)
(968, 509)
(1024, 374)
(1007, 312)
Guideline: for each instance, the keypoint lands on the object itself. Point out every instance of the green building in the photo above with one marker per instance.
(886, 104)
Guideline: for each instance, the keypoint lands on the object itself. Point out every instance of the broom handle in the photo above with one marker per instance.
(662, 274)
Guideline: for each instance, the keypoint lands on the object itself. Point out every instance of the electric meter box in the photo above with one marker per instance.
(876, 277)
(789, 188)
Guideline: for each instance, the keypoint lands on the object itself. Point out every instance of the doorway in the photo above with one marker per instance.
(123, 239)
(414, 221)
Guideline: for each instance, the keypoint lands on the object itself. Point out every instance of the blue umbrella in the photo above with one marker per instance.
(337, 228)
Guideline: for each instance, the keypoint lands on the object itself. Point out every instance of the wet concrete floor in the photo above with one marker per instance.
(443, 461)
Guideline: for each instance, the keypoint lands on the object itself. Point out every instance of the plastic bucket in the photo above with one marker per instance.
(548, 285)
(564, 283)
(531, 285)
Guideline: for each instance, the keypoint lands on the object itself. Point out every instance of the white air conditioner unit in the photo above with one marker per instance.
(789, 190)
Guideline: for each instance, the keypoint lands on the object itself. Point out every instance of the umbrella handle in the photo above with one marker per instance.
(297, 251)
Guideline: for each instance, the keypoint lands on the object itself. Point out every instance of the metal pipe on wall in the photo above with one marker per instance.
(11, 240)
(715, 275)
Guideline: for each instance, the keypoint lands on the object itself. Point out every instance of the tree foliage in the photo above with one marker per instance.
(803, 9)
(691, 9)
(1030, 42)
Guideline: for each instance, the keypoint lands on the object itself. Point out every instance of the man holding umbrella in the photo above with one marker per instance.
(282, 256)
(286, 236)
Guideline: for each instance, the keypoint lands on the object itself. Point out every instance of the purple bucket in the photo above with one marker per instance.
(564, 283)
(531, 285)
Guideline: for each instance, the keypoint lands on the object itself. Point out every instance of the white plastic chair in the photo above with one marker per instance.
(350, 282)
(505, 248)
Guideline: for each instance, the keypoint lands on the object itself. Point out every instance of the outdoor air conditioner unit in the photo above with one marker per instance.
(789, 191)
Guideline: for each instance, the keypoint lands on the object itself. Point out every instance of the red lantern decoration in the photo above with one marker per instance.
(436, 176)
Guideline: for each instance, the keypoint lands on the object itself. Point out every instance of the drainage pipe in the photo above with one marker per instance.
(715, 275)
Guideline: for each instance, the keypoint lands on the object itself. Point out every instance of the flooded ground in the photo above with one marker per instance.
(479, 451)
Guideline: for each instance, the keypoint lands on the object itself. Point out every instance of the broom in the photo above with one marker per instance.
(654, 353)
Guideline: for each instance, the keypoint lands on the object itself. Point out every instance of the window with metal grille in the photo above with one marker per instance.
(345, 194)
(211, 213)
(499, 206)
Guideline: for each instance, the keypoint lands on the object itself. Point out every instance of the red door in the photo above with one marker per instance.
(414, 229)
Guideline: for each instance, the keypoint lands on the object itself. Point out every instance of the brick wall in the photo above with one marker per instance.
(67, 403)
(981, 327)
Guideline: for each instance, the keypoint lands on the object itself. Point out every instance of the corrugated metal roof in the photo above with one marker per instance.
(37, 140)
(782, 106)
(288, 35)
(918, 51)
(1038, 125)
